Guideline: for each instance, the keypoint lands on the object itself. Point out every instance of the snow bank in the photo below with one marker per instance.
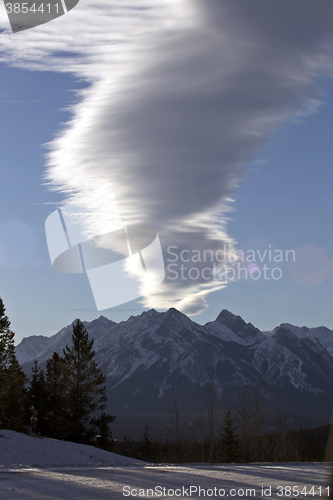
(20, 450)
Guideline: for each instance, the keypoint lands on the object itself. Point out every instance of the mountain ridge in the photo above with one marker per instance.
(148, 355)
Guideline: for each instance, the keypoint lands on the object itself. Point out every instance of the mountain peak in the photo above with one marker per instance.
(289, 326)
(235, 323)
(151, 312)
(149, 315)
(284, 335)
(172, 314)
(172, 311)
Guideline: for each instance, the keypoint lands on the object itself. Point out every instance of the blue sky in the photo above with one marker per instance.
(284, 178)
(286, 199)
(32, 108)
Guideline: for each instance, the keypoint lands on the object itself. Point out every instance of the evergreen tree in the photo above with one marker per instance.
(104, 438)
(145, 448)
(38, 398)
(228, 449)
(13, 412)
(85, 394)
(55, 383)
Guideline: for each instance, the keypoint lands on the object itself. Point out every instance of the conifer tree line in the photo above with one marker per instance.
(66, 401)
(283, 445)
(236, 435)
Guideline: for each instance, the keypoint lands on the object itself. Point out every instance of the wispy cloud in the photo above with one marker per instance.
(181, 96)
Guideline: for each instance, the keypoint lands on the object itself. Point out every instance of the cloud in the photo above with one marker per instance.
(182, 95)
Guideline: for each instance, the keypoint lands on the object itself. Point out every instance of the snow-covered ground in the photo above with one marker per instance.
(21, 450)
(45, 469)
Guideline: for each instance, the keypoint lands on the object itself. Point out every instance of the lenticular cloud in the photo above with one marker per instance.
(181, 96)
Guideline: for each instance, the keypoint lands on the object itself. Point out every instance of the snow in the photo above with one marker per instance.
(21, 450)
(46, 469)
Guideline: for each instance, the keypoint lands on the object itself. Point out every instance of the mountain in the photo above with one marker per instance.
(233, 328)
(321, 334)
(148, 355)
(42, 348)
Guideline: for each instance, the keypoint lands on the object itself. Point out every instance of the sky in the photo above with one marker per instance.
(210, 122)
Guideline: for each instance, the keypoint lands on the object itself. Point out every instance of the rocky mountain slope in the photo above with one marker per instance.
(148, 355)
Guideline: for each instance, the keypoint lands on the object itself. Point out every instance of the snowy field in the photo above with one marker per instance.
(43, 469)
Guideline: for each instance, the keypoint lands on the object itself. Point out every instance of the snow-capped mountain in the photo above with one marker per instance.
(42, 348)
(321, 334)
(233, 328)
(148, 355)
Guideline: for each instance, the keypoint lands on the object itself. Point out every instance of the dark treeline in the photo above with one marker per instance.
(66, 401)
(286, 446)
(239, 438)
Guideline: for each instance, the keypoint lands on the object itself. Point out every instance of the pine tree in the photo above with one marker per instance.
(38, 398)
(104, 438)
(228, 449)
(55, 384)
(13, 412)
(85, 394)
(145, 448)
